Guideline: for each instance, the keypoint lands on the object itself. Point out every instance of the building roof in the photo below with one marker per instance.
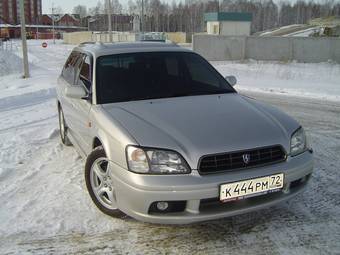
(42, 26)
(58, 17)
(228, 16)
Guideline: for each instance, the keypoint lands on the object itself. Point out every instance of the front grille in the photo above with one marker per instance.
(238, 160)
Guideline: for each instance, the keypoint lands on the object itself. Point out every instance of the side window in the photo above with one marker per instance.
(199, 72)
(85, 74)
(70, 66)
(77, 67)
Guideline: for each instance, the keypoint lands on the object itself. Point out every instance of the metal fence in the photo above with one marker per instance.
(7, 45)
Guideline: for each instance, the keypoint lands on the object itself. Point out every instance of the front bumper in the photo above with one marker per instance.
(135, 192)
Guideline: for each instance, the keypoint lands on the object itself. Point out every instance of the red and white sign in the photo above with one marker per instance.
(44, 44)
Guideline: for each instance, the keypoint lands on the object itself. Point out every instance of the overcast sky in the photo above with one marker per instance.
(67, 5)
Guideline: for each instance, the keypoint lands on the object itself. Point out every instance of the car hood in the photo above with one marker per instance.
(200, 125)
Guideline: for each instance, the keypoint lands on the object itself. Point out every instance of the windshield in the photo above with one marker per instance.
(153, 75)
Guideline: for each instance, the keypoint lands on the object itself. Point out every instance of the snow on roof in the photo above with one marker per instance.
(58, 17)
(280, 29)
(40, 26)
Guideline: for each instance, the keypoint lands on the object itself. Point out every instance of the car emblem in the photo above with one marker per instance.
(246, 158)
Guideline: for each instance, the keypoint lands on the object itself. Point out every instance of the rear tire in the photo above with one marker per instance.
(63, 129)
(99, 183)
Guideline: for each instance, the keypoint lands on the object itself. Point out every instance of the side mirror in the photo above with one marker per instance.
(231, 80)
(76, 92)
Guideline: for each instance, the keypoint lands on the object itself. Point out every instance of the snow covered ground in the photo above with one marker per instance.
(45, 208)
(282, 30)
(307, 32)
(310, 80)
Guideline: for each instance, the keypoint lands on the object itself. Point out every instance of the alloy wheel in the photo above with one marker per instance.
(102, 184)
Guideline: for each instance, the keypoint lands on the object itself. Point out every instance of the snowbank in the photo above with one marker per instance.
(313, 80)
(9, 63)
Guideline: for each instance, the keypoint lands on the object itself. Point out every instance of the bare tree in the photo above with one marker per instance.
(116, 7)
(188, 15)
(81, 10)
(58, 10)
(98, 9)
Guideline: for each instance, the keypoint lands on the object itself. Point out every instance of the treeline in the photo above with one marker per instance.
(188, 16)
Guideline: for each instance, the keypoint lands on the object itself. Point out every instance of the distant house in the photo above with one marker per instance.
(46, 19)
(228, 23)
(69, 20)
(43, 30)
(120, 22)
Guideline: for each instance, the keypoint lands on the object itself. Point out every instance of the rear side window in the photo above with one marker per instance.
(69, 70)
(85, 69)
(85, 75)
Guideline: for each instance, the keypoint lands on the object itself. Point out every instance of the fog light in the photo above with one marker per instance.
(162, 206)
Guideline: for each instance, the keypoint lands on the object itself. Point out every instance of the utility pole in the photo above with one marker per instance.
(108, 7)
(142, 19)
(23, 39)
(53, 28)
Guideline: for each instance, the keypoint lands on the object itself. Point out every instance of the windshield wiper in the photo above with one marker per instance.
(198, 93)
(218, 92)
(177, 95)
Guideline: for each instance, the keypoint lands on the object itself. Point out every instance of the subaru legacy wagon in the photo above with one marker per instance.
(167, 139)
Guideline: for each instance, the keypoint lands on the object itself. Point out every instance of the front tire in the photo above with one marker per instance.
(63, 129)
(99, 183)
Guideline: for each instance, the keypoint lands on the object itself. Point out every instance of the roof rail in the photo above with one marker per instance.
(85, 43)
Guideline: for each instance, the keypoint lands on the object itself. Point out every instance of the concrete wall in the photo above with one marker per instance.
(219, 47)
(316, 49)
(177, 37)
(77, 37)
(268, 48)
(116, 37)
(302, 49)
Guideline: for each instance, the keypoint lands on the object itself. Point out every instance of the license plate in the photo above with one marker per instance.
(253, 187)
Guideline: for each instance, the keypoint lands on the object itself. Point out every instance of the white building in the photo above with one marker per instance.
(228, 23)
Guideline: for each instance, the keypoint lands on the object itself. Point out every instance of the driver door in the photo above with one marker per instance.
(82, 107)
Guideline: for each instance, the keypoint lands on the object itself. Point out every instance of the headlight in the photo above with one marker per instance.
(155, 161)
(298, 142)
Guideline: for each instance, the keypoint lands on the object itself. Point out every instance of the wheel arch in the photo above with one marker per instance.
(113, 148)
(96, 142)
(100, 141)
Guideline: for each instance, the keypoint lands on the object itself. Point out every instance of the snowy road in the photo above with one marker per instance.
(45, 207)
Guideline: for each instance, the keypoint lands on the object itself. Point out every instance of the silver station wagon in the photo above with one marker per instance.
(168, 140)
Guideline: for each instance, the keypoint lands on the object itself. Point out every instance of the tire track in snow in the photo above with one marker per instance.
(25, 100)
